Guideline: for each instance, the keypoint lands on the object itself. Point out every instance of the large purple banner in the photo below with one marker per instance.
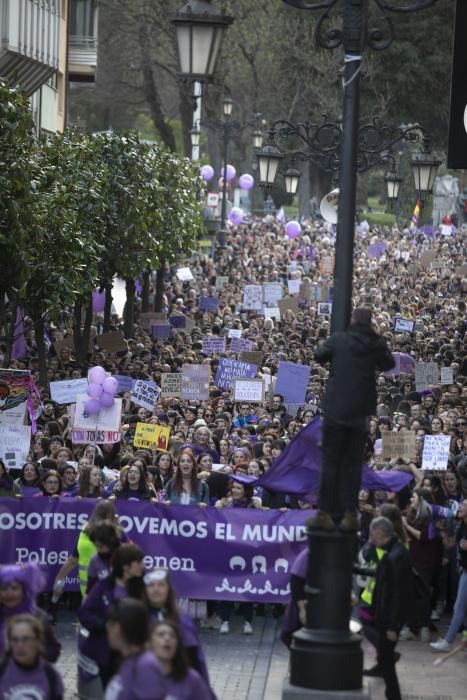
(227, 554)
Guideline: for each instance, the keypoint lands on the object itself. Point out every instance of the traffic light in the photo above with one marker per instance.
(457, 145)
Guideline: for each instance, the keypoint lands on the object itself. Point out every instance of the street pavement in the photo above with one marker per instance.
(253, 667)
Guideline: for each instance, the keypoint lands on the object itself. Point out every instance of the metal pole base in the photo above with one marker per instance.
(326, 660)
(290, 692)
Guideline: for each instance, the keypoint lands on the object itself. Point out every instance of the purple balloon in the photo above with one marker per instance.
(95, 391)
(107, 400)
(92, 406)
(110, 386)
(236, 215)
(96, 375)
(98, 301)
(246, 181)
(231, 172)
(293, 229)
(207, 172)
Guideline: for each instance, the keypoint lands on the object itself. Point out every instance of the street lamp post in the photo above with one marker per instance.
(325, 656)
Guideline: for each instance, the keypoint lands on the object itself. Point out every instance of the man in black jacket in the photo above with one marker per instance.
(393, 597)
(355, 355)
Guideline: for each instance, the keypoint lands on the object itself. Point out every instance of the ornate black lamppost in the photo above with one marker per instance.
(325, 656)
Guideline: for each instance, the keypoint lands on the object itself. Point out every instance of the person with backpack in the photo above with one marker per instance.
(24, 672)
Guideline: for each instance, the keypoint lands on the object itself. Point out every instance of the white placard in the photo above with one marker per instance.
(324, 309)
(426, 374)
(101, 437)
(184, 274)
(436, 452)
(294, 286)
(15, 441)
(106, 419)
(403, 325)
(235, 333)
(66, 391)
(253, 297)
(272, 312)
(145, 394)
(447, 375)
(251, 390)
(272, 292)
(212, 199)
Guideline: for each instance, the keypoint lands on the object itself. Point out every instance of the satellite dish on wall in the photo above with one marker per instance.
(328, 206)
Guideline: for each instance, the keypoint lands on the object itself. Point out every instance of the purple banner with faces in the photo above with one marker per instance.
(240, 554)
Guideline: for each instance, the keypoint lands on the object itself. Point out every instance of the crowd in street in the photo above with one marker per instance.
(136, 639)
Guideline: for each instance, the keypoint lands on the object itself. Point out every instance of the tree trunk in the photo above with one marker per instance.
(41, 349)
(81, 336)
(11, 330)
(107, 307)
(129, 308)
(159, 286)
(145, 294)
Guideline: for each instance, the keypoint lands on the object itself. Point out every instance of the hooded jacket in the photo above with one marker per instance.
(355, 356)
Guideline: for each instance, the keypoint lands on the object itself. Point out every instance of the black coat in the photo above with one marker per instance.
(355, 356)
(394, 592)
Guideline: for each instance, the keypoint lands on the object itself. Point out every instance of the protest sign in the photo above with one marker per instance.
(436, 451)
(272, 312)
(403, 325)
(112, 342)
(241, 554)
(229, 370)
(234, 333)
(66, 342)
(221, 280)
(147, 318)
(208, 304)
(447, 375)
(426, 374)
(253, 297)
(148, 435)
(240, 345)
(294, 286)
(124, 383)
(213, 344)
(195, 382)
(106, 419)
(100, 437)
(399, 445)
(324, 309)
(145, 394)
(254, 357)
(376, 250)
(292, 382)
(305, 291)
(161, 330)
(326, 265)
(171, 384)
(178, 321)
(15, 386)
(14, 444)
(272, 292)
(427, 258)
(67, 390)
(251, 390)
(184, 274)
(288, 304)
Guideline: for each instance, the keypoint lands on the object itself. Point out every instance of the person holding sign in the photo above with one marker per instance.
(355, 355)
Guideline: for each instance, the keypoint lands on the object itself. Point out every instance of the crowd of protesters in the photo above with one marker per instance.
(144, 630)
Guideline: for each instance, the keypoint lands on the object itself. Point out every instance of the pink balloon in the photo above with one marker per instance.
(110, 385)
(95, 391)
(107, 400)
(293, 229)
(92, 406)
(246, 181)
(236, 215)
(231, 172)
(207, 172)
(96, 375)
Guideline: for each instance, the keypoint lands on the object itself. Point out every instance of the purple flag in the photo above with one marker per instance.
(18, 349)
(405, 364)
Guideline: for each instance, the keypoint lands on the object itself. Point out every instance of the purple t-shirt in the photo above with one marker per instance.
(192, 687)
(19, 682)
(99, 568)
(139, 678)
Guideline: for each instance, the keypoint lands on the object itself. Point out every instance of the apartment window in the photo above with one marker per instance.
(82, 16)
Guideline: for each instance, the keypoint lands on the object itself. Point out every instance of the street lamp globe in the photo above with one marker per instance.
(227, 106)
(257, 138)
(393, 183)
(425, 168)
(291, 178)
(199, 27)
(195, 136)
(269, 158)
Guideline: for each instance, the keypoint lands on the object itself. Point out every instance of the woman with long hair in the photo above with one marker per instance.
(136, 487)
(181, 681)
(90, 483)
(185, 488)
(7, 486)
(51, 484)
(24, 671)
(164, 462)
(29, 479)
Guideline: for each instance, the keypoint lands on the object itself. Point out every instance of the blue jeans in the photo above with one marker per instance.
(459, 615)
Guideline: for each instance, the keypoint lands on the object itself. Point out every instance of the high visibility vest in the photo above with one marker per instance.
(86, 551)
(367, 595)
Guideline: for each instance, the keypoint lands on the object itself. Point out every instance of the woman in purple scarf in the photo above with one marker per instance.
(181, 681)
